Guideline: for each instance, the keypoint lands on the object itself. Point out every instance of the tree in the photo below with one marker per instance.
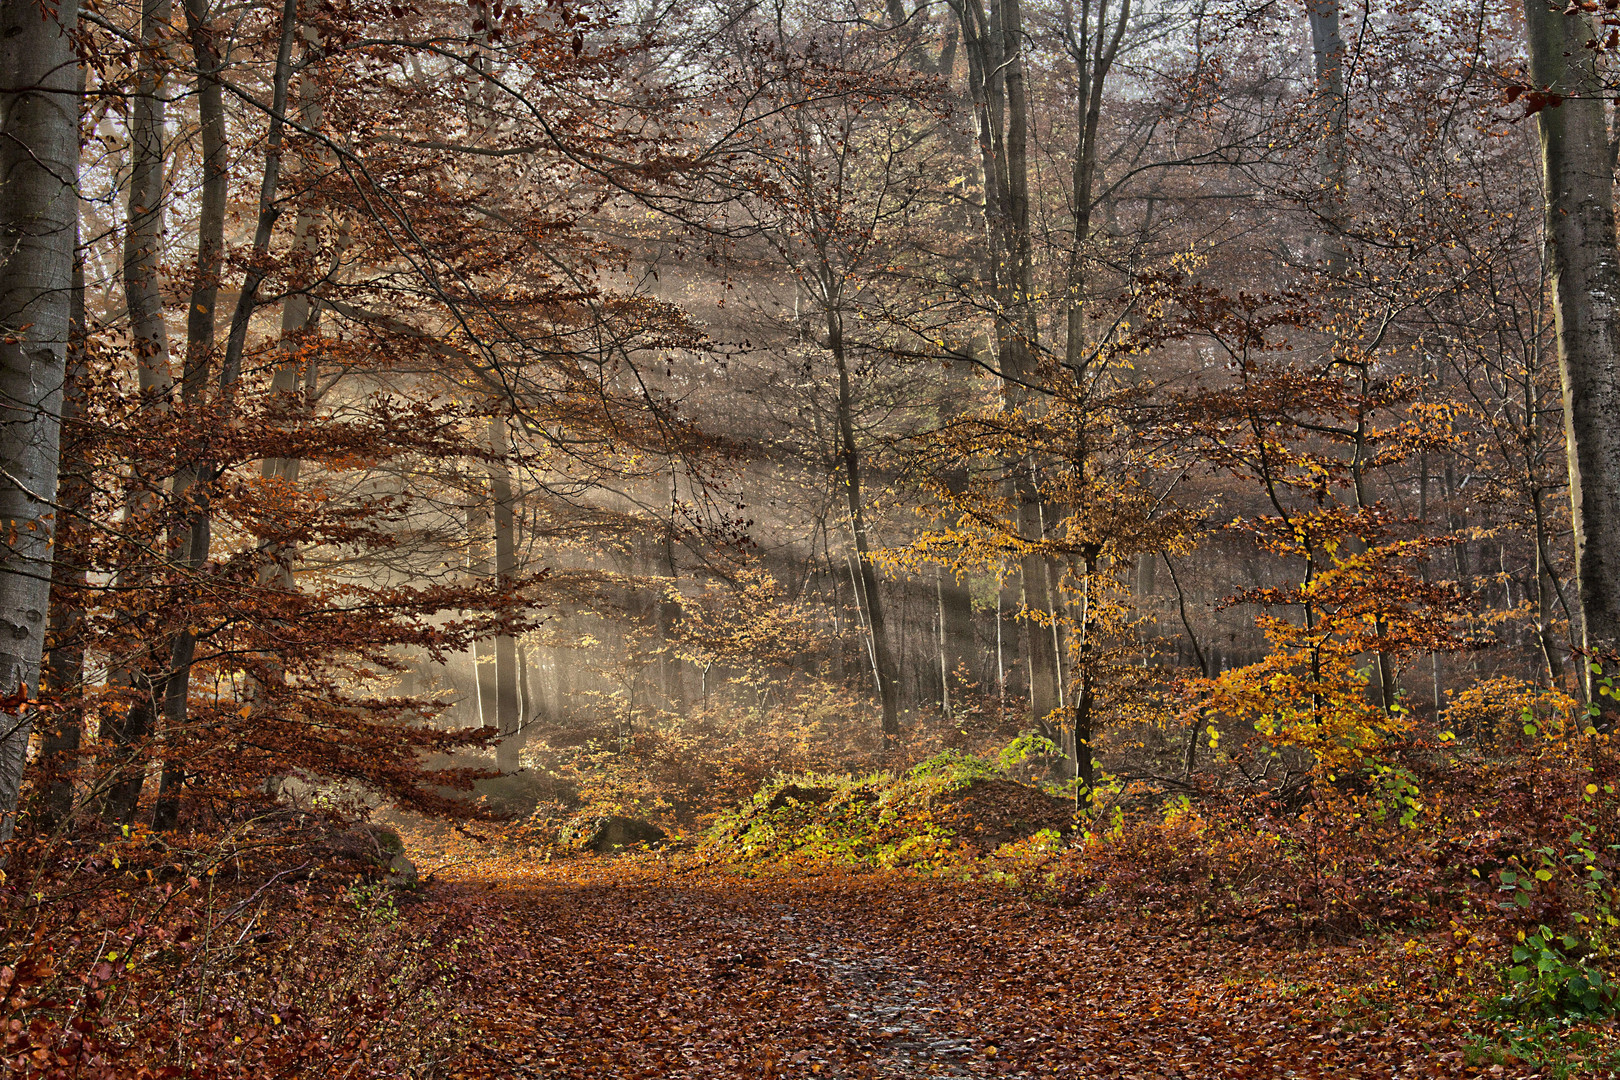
(1578, 180)
(39, 166)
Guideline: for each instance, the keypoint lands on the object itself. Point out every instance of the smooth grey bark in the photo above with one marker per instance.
(508, 707)
(479, 568)
(1585, 267)
(149, 341)
(672, 668)
(527, 708)
(958, 642)
(63, 672)
(300, 313)
(39, 164)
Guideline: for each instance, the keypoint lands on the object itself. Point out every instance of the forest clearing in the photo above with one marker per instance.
(809, 538)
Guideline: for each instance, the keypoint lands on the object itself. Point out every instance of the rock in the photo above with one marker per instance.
(402, 872)
(365, 842)
(375, 845)
(606, 833)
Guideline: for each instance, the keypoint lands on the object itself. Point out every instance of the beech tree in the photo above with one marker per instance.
(1578, 179)
(39, 163)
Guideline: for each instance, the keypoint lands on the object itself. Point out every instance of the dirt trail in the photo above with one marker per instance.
(624, 969)
(889, 1005)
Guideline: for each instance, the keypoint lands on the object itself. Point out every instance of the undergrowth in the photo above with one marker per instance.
(936, 814)
(1488, 882)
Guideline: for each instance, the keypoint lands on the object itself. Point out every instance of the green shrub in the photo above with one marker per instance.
(1552, 976)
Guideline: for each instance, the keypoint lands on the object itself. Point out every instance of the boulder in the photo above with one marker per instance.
(365, 842)
(606, 833)
(374, 845)
(402, 872)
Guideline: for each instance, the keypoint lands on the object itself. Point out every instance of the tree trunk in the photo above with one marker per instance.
(526, 703)
(300, 313)
(201, 315)
(669, 612)
(63, 672)
(143, 236)
(149, 340)
(994, 42)
(508, 708)
(1190, 760)
(959, 643)
(1085, 770)
(39, 166)
(192, 477)
(1332, 116)
(1580, 237)
(882, 661)
(201, 312)
(479, 568)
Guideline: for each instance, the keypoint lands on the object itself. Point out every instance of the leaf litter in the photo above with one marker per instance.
(642, 966)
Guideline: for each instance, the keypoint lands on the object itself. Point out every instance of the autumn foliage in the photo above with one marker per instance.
(1058, 529)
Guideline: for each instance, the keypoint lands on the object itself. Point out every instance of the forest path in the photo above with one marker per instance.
(626, 968)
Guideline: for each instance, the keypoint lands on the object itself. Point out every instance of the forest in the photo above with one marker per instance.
(426, 428)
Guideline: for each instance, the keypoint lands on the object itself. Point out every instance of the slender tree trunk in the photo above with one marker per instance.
(479, 568)
(63, 673)
(300, 313)
(994, 42)
(1085, 769)
(1332, 116)
(1191, 759)
(143, 236)
(508, 709)
(201, 318)
(849, 454)
(39, 167)
(1092, 44)
(959, 642)
(1580, 235)
(201, 313)
(149, 339)
(526, 704)
(195, 545)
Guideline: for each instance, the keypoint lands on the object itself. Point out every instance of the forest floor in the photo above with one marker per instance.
(642, 966)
